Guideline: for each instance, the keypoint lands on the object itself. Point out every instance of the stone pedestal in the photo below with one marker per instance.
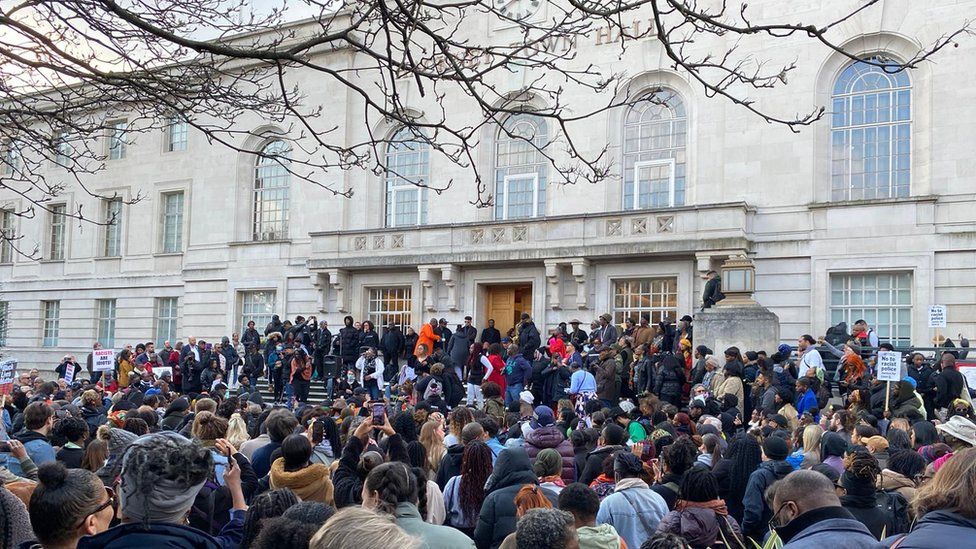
(749, 327)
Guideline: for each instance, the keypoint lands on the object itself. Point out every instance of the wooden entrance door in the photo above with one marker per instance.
(505, 304)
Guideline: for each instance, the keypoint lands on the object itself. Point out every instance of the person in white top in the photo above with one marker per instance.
(809, 355)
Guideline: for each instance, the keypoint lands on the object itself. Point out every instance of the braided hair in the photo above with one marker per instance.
(746, 455)
(393, 483)
(270, 504)
(476, 467)
(699, 485)
(6, 518)
(421, 476)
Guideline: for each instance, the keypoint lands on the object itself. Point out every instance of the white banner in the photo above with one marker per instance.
(69, 373)
(889, 366)
(103, 360)
(937, 316)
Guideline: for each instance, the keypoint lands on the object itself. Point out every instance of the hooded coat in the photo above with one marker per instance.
(497, 518)
(699, 526)
(310, 483)
(669, 379)
(935, 530)
(594, 462)
(551, 437)
(757, 513)
(173, 536)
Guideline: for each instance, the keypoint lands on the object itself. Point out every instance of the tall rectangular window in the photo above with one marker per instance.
(176, 134)
(116, 136)
(167, 312)
(4, 312)
(112, 245)
(655, 297)
(106, 323)
(11, 157)
(884, 300)
(56, 236)
(65, 148)
(51, 318)
(257, 305)
(390, 306)
(6, 235)
(173, 222)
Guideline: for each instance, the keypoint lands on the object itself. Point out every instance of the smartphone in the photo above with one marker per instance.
(4, 446)
(228, 454)
(379, 413)
(209, 346)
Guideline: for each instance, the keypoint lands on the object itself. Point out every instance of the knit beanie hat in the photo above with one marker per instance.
(119, 440)
(547, 463)
(310, 512)
(775, 448)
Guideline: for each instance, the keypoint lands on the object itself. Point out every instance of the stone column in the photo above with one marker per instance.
(581, 271)
(553, 290)
(427, 288)
(338, 279)
(319, 284)
(449, 274)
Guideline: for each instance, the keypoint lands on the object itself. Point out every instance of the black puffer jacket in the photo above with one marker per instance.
(497, 518)
(594, 463)
(669, 379)
(349, 343)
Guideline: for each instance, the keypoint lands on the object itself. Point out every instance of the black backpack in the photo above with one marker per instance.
(895, 507)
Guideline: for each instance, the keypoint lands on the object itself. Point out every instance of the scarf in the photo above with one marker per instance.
(602, 479)
(555, 479)
(717, 505)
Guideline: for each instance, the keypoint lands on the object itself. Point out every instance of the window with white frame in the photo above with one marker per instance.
(6, 236)
(884, 300)
(57, 231)
(4, 322)
(51, 319)
(12, 160)
(112, 244)
(176, 134)
(105, 334)
(655, 138)
(407, 166)
(871, 131)
(257, 305)
(116, 136)
(521, 169)
(65, 148)
(172, 222)
(387, 306)
(271, 182)
(167, 313)
(656, 298)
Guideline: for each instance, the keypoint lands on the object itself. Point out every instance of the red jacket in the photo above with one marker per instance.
(497, 371)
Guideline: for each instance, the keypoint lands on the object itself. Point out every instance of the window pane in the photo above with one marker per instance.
(871, 108)
(258, 306)
(116, 139)
(655, 130)
(407, 167)
(387, 306)
(517, 152)
(271, 182)
(106, 323)
(173, 222)
(56, 236)
(655, 297)
(112, 247)
(876, 298)
(6, 235)
(176, 134)
(167, 312)
(51, 314)
(4, 322)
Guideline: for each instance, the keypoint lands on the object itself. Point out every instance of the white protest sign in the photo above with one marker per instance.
(162, 370)
(103, 360)
(69, 373)
(889, 366)
(937, 316)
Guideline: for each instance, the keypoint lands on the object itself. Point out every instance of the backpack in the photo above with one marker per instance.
(433, 388)
(895, 507)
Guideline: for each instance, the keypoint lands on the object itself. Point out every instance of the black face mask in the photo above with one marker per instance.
(773, 526)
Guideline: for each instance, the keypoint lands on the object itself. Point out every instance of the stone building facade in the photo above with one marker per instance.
(870, 212)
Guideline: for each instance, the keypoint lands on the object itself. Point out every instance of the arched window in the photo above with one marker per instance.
(871, 132)
(407, 165)
(521, 170)
(271, 180)
(655, 136)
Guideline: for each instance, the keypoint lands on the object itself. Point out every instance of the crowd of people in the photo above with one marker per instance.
(621, 436)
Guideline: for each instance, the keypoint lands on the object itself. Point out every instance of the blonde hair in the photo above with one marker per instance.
(237, 431)
(91, 397)
(434, 443)
(789, 412)
(356, 527)
(811, 440)
(875, 444)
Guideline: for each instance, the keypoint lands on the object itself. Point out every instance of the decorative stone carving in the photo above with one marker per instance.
(613, 227)
(319, 285)
(520, 233)
(396, 241)
(337, 281)
(427, 288)
(449, 274)
(477, 236)
(553, 291)
(359, 243)
(379, 242)
(497, 235)
(581, 269)
(665, 223)
(638, 225)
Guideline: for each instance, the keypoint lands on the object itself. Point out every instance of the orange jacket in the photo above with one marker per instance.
(427, 337)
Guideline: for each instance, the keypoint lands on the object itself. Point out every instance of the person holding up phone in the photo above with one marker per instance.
(370, 369)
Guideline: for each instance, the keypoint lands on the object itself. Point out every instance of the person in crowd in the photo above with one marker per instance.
(582, 386)
(612, 439)
(670, 379)
(497, 518)
(732, 473)
(948, 382)
(294, 470)
(945, 507)
(518, 373)
(833, 446)
(547, 466)
(266, 505)
(700, 516)
(496, 374)
(904, 471)
(450, 464)
(550, 528)
(392, 488)
(432, 437)
(859, 481)
(68, 504)
(162, 473)
(959, 433)
(757, 511)
(357, 527)
(711, 451)
(74, 431)
(633, 509)
(635, 430)
(584, 504)
(607, 380)
(465, 492)
(545, 435)
(529, 339)
(279, 424)
(676, 459)
(38, 422)
(808, 515)
(95, 456)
